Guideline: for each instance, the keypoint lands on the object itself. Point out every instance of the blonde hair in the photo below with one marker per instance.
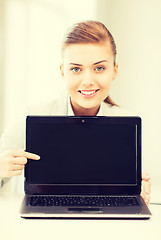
(90, 32)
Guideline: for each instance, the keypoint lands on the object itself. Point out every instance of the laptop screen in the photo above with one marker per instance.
(83, 150)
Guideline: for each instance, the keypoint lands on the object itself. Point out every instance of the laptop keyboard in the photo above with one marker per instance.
(106, 201)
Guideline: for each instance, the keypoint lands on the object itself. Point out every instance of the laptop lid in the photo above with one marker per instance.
(83, 155)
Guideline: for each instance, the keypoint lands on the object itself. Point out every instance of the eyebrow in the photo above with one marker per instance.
(92, 64)
(100, 62)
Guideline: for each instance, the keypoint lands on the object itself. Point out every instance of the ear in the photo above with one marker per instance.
(62, 70)
(115, 71)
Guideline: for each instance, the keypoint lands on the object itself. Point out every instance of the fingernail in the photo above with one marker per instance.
(37, 157)
(146, 201)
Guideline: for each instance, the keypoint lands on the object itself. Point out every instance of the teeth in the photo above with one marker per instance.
(88, 93)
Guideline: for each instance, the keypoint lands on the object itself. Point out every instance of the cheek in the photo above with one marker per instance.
(71, 84)
(105, 81)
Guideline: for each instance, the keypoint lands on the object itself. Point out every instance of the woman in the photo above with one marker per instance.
(88, 69)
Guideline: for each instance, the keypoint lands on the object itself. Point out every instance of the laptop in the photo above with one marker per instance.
(90, 167)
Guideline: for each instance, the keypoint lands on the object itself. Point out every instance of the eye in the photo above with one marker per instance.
(99, 69)
(75, 69)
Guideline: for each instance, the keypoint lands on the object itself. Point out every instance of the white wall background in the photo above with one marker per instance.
(31, 33)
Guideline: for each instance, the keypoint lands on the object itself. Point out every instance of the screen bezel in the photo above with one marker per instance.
(83, 189)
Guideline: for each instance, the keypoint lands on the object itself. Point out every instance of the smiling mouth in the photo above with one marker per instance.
(88, 93)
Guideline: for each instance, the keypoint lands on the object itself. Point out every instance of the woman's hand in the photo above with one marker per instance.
(13, 162)
(145, 193)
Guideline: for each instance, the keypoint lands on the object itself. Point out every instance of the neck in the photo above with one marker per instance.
(80, 111)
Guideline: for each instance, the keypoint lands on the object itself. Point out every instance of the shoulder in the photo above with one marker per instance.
(56, 106)
(112, 110)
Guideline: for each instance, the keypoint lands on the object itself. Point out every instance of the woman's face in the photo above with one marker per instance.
(88, 70)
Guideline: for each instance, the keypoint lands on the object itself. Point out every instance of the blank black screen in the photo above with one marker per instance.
(82, 153)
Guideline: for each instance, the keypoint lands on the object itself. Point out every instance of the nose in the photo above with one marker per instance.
(88, 79)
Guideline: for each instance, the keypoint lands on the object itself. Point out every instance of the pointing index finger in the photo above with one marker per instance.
(31, 156)
(22, 153)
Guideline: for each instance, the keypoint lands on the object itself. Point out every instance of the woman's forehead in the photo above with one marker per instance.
(90, 53)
